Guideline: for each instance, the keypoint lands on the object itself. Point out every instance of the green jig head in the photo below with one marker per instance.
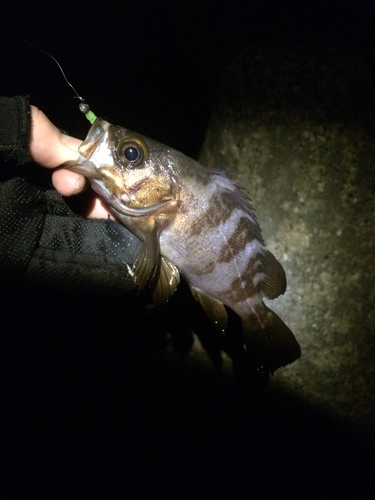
(85, 109)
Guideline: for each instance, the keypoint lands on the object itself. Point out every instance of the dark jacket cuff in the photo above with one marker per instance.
(15, 129)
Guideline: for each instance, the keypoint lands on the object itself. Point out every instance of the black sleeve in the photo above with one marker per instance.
(42, 242)
(14, 129)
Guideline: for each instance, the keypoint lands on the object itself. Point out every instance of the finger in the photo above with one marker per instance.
(97, 209)
(68, 183)
(48, 146)
(70, 142)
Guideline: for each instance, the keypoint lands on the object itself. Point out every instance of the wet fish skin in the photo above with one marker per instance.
(195, 221)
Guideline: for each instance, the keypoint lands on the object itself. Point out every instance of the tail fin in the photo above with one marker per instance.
(272, 346)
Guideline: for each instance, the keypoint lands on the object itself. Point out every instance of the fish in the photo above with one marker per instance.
(196, 222)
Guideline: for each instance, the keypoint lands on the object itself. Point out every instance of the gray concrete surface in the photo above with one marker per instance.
(295, 123)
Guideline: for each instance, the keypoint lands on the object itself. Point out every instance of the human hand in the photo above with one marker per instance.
(50, 148)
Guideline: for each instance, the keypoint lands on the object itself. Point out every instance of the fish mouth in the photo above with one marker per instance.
(86, 163)
(120, 205)
(96, 134)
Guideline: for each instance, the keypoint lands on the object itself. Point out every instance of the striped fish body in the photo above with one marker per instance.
(194, 221)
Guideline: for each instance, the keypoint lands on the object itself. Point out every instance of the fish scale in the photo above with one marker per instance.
(194, 221)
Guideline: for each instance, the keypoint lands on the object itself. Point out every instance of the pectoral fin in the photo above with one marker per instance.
(147, 261)
(214, 309)
(167, 281)
(151, 268)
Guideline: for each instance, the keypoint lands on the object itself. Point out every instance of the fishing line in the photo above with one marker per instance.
(83, 106)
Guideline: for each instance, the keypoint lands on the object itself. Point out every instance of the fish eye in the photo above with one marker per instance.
(132, 151)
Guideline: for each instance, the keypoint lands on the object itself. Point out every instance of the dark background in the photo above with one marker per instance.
(90, 407)
(154, 66)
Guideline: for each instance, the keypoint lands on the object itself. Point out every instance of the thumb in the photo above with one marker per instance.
(48, 146)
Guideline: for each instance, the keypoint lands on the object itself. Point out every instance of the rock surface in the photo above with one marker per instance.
(295, 123)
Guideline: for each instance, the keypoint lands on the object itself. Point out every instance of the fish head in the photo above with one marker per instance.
(135, 175)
